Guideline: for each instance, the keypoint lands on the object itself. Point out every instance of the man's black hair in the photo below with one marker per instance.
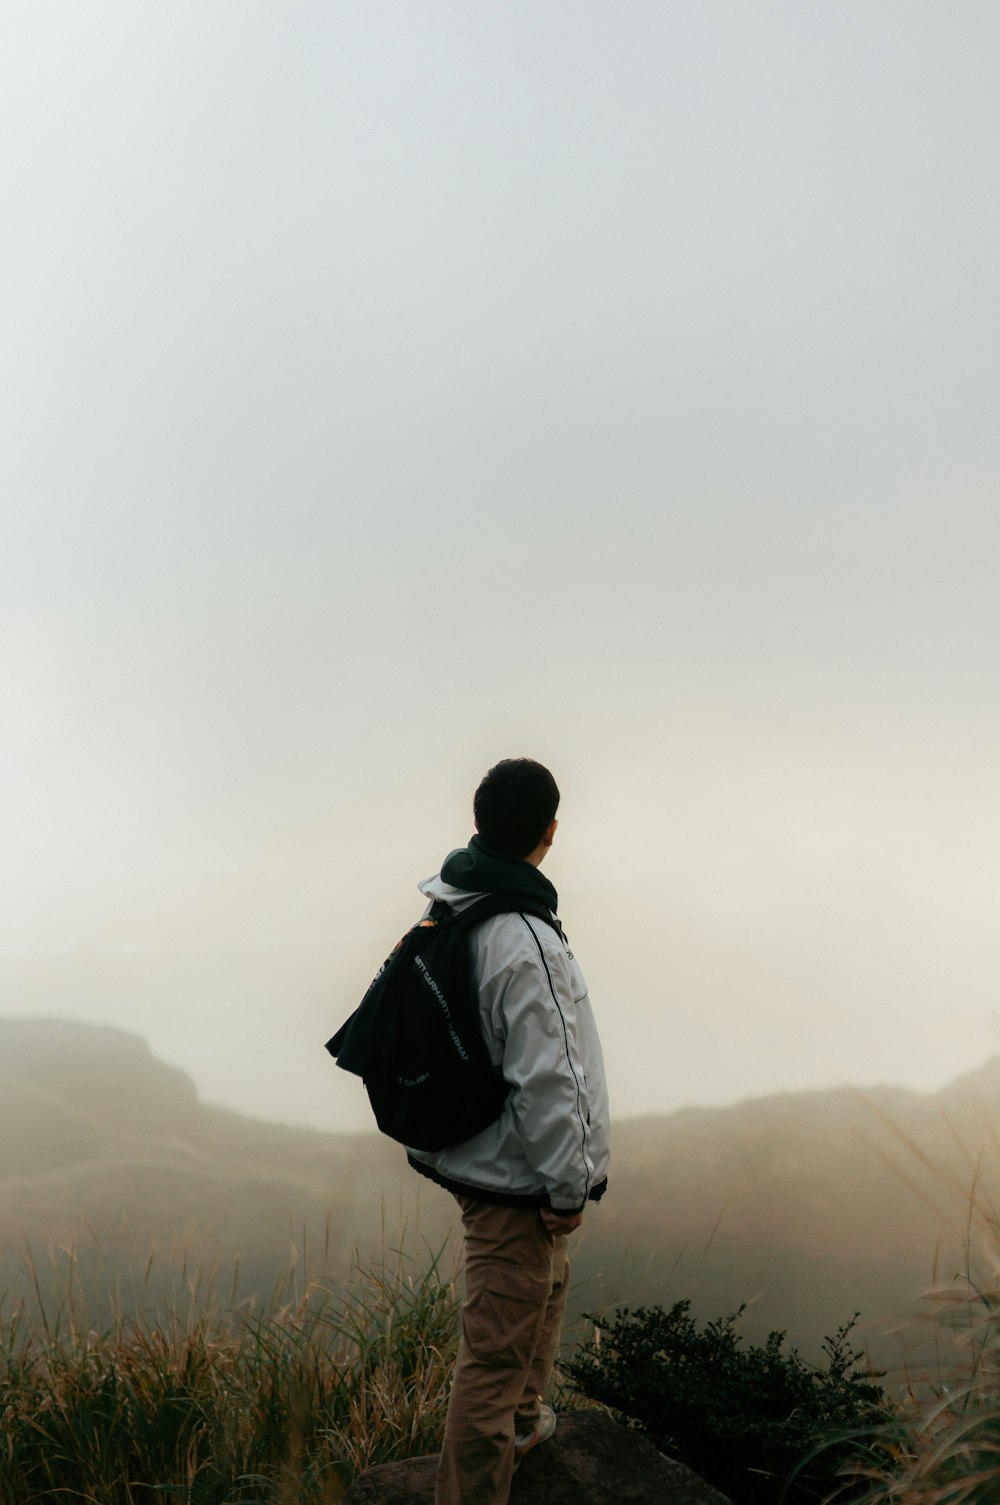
(514, 806)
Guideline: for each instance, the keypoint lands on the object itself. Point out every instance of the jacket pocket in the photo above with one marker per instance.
(503, 1316)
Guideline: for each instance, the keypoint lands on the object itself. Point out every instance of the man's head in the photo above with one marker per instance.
(515, 808)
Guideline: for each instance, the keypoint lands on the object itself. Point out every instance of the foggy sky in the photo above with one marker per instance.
(390, 388)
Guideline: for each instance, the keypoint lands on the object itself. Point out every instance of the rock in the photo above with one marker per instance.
(589, 1461)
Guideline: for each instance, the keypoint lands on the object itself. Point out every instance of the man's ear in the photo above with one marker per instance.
(550, 831)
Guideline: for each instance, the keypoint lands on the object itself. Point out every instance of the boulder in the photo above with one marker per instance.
(589, 1461)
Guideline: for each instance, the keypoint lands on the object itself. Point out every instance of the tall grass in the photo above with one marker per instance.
(208, 1403)
(943, 1448)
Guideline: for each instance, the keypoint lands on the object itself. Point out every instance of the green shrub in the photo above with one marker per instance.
(758, 1423)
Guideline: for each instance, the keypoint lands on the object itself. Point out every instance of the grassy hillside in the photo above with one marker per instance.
(108, 1158)
(208, 1405)
(807, 1205)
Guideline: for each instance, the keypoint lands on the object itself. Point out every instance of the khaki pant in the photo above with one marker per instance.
(516, 1275)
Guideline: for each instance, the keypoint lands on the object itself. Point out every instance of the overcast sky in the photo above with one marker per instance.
(388, 388)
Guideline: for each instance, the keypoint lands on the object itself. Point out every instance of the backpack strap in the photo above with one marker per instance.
(502, 903)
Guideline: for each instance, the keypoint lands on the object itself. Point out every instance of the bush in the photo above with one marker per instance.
(758, 1423)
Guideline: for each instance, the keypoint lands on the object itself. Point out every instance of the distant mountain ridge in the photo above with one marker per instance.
(66, 1089)
(809, 1205)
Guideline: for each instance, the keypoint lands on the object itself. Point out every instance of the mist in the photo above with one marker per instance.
(389, 391)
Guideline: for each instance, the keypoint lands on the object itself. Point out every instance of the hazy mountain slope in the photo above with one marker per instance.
(108, 1153)
(810, 1205)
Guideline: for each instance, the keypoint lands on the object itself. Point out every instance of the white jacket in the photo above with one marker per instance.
(550, 1144)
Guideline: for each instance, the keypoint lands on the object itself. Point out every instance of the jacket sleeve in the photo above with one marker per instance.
(542, 1061)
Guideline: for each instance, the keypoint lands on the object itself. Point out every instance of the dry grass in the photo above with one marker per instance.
(212, 1404)
(944, 1448)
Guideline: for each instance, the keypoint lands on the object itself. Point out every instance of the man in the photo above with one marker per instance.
(523, 1182)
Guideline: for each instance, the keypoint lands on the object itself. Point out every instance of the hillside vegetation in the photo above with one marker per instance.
(808, 1206)
(212, 1405)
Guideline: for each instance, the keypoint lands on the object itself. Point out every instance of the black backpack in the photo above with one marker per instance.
(416, 1038)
